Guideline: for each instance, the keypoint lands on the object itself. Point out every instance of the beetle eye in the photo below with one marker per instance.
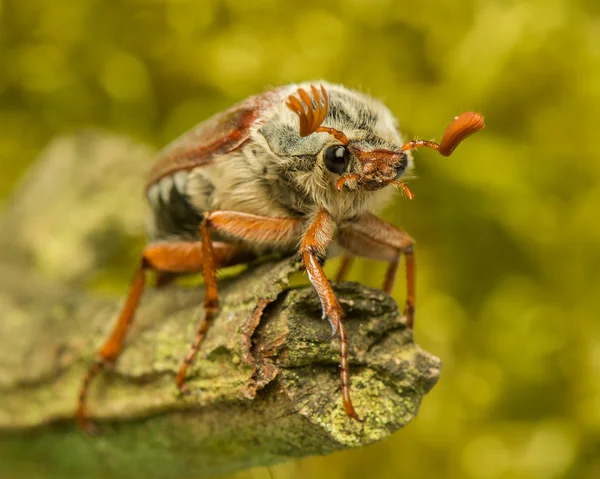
(336, 158)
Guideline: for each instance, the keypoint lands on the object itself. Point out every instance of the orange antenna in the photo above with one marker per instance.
(460, 128)
(312, 114)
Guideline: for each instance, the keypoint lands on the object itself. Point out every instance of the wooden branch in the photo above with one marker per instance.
(265, 386)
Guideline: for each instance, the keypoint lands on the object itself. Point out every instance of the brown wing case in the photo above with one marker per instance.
(220, 134)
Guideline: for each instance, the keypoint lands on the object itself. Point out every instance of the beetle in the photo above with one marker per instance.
(292, 170)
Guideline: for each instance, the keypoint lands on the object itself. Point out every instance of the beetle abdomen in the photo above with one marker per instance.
(172, 213)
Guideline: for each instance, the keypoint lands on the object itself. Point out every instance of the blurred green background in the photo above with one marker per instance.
(507, 229)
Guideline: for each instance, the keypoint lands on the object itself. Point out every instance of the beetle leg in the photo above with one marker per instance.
(313, 246)
(175, 257)
(345, 267)
(259, 230)
(211, 302)
(371, 237)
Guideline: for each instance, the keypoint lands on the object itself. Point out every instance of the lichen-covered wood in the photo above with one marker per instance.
(265, 386)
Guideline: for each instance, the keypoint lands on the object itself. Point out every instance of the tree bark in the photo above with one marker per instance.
(264, 388)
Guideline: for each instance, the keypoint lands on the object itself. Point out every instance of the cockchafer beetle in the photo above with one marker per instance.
(291, 170)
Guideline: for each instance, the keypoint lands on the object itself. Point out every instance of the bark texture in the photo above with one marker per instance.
(265, 386)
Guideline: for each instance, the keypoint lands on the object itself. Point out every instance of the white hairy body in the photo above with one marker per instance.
(276, 172)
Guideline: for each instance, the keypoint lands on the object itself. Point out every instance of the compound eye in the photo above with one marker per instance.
(336, 158)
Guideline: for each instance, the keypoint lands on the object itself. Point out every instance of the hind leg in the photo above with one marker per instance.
(175, 257)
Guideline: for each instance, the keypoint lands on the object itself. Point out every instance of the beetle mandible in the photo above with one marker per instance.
(291, 170)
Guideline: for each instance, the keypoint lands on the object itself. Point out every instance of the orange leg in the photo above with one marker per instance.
(176, 257)
(390, 275)
(258, 230)
(371, 237)
(345, 268)
(284, 232)
(313, 248)
(211, 303)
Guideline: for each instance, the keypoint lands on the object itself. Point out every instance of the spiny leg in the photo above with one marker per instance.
(371, 237)
(175, 257)
(259, 230)
(409, 307)
(313, 246)
(211, 303)
(111, 348)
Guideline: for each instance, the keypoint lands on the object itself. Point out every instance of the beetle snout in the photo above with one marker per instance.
(379, 167)
(378, 171)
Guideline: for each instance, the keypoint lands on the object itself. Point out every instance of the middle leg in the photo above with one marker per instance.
(253, 229)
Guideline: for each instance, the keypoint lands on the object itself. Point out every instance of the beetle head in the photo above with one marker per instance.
(362, 167)
(378, 168)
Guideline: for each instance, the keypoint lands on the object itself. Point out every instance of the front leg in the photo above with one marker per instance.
(313, 249)
(371, 237)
